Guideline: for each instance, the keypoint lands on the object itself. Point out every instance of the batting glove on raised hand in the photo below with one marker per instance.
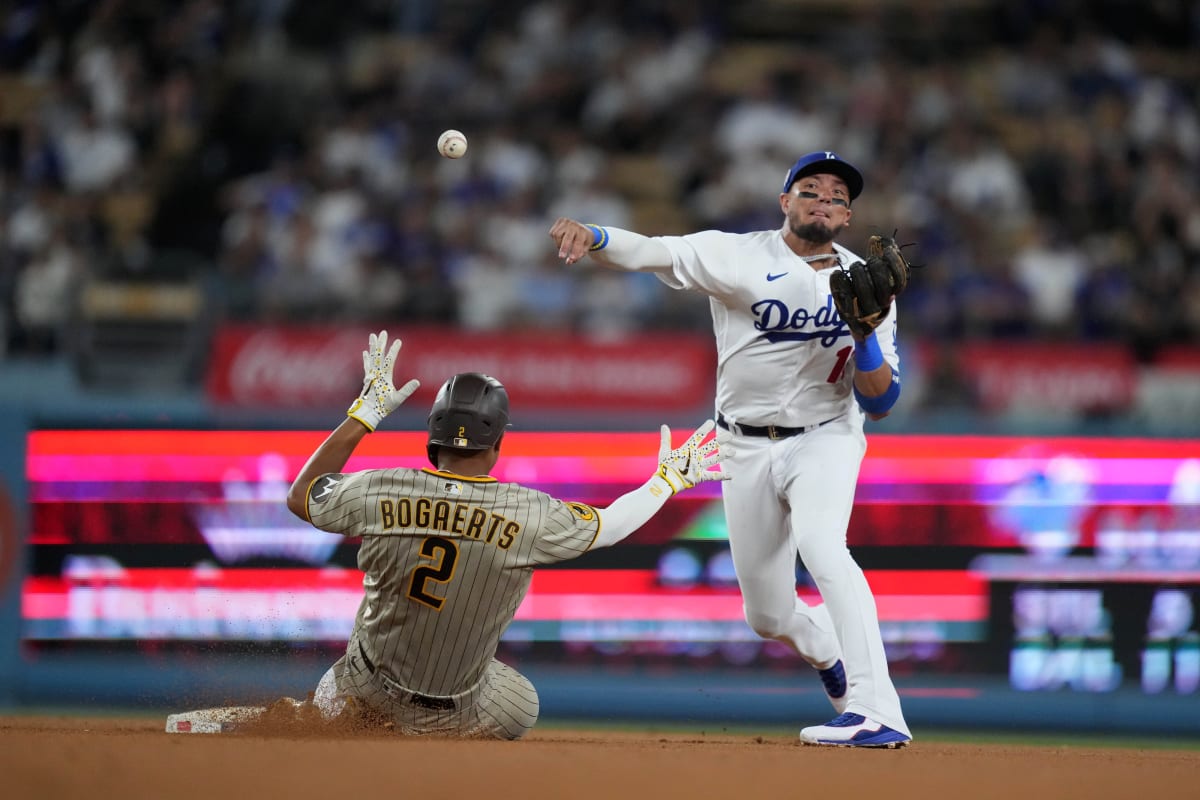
(379, 397)
(690, 463)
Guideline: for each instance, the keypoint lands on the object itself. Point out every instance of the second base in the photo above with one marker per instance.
(213, 720)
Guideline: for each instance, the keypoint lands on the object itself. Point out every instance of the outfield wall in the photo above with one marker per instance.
(1023, 583)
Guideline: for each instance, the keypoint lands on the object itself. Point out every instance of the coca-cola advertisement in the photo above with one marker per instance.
(318, 367)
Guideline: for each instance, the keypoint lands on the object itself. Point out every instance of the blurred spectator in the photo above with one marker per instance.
(297, 287)
(1051, 271)
(486, 288)
(45, 291)
(288, 148)
(95, 153)
(981, 178)
(768, 118)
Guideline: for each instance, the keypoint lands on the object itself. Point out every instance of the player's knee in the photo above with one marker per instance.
(768, 626)
(516, 712)
(829, 567)
(530, 708)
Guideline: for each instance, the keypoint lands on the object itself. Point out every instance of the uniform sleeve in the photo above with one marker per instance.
(568, 531)
(888, 342)
(335, 502)
(702, 262)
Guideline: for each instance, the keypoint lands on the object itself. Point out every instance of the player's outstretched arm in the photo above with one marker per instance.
(378, 398)
(611, 247)
(694, 462)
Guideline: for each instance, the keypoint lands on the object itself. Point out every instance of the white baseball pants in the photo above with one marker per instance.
(794, 496)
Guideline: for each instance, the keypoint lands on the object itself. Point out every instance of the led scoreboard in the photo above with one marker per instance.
(1060, 562)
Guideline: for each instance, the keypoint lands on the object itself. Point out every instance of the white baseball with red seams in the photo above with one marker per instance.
(452, 144)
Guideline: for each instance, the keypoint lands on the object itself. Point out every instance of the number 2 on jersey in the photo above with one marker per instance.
(443, 553)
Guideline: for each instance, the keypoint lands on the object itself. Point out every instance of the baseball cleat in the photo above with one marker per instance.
(854, 730)
(834, 680)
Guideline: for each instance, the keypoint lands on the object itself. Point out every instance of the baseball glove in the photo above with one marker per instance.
(863, 292)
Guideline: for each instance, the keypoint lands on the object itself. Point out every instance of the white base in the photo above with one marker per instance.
(213, 720)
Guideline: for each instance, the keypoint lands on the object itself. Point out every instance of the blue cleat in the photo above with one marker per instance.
(834, 679)
(854, 730)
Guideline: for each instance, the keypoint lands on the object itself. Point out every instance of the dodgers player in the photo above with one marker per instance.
(448, 553)
(793, 385)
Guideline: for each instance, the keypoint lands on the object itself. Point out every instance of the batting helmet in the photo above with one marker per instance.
(470, 412)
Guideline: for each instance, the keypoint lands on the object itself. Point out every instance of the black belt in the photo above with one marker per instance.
(398, 692)
(769, 431)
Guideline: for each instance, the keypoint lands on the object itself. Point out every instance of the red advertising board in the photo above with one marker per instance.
(315, 367)
(1179, 358)
(1067, 378)
(1073, 378)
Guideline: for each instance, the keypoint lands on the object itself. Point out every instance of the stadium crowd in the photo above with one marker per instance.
(1044, 155)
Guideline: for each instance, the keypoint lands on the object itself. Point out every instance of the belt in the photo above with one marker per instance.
(769, 431)
(398, 692)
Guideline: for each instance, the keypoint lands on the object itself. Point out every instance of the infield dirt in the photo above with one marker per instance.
(66, 757)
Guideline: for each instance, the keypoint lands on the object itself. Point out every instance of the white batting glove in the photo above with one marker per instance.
(379, 397)
(690, 463)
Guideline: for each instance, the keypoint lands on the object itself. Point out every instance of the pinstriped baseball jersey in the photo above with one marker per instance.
(447, 560)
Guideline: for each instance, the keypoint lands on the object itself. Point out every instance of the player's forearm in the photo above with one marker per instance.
(875, 382)
(631, 251)
(876, 386)
(631, 511)
(330, 456)
(610, 247)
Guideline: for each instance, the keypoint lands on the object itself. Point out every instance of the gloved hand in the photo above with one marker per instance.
(379, 397)
(864, 291)
(689, 464)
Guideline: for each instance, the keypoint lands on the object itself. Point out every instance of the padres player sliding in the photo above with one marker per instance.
(447, 553)
(792, 388)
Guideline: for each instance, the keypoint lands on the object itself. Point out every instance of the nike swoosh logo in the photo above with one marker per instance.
(771, 277)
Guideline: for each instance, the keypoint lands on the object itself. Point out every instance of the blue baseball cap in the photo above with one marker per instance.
(825, 161)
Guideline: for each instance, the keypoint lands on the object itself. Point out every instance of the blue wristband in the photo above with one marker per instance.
(884, 402)
(599, 236)
(867, 355)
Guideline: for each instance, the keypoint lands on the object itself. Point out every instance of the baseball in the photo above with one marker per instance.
(452, 144)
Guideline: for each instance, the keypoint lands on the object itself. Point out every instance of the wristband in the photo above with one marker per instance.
(361, 411)
(599, 236)
(884, 402)
(867, 355)
(662, 475)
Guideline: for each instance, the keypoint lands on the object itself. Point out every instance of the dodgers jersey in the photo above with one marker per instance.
(446, 560)
(784, 355)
